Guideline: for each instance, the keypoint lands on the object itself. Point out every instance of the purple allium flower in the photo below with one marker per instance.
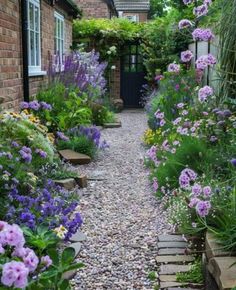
(14, 144)
(202, 208)
(200, 10)
(203, 61)
(24, 105)
(62, 136)
(193, 202)
(204, 93)
(159, 115)
(184, 181)
(46, 261)
(227, 113)
(203, 34)
(174, 68)
(186, 56)
(208, 2)
(196, 189)
(34, 105)
(12, 235)
(187, 2)
(185, 23)
(41, 153)
(177, 121)
(206, 191)
(46, 106)
(15, 274)
(192, 175)
(233, 162)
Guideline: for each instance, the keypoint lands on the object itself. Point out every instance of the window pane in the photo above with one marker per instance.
(62, 30)
(126, 68)
(133, 59)
(31, 16)
(133, 68)
(37, 48)
(126, 59)
(58, 28)
(133, 49)
(32, 48)
(62, 46)
(36, 18)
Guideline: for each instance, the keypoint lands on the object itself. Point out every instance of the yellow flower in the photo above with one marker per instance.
(51, 137)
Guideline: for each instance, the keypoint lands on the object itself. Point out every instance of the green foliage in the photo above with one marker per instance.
(195, 275)
(101, 114)
(152, 276)
(68, 109)
(80, 144)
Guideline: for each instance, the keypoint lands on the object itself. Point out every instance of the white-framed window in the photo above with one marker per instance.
(34, 37)
(59, 35)
(133, 18)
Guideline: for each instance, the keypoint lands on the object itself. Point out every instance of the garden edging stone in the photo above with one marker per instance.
(74, 158)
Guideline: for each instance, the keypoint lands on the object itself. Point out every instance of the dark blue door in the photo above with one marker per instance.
(132, 76)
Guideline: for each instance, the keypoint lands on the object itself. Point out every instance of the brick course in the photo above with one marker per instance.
(94, 8)
(11, 82)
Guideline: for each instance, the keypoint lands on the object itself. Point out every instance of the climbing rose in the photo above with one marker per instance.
(185, 23)
(204, 93)
(173, 67)
(186, 56)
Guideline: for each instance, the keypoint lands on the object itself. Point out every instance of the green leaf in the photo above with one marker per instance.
(49, 274)
(64, 285)
(75, 266)
(54, 256)
(68, 256)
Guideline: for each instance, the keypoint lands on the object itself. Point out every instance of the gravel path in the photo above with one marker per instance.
(121, 216)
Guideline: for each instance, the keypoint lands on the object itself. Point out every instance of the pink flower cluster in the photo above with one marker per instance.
(203, 34)
(186, 56)
(200, 10)
(200, 199)
(174, 68)
(204, 93)
(15, 273)
(204, 61)
(152, 155)
(185, 23)
(160, 117)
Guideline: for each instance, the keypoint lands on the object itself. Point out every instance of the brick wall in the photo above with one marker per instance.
(93, 8)
(10, 54)
(11, 86)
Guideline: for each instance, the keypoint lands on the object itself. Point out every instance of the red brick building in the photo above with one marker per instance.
(97, 8)
(30, 31)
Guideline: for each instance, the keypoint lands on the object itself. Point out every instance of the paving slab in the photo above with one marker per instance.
(77, 246)
(163, 245)
(171, 269)
(112, 125)
(222, 269)
(82, 181)
(174, 259)
(167, 278)
(74, 158)
(68, 183)
(78, 237)
(170, 238)
(171, 251)
(164, 285)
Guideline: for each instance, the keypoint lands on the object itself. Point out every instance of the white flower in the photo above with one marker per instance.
(113, 67)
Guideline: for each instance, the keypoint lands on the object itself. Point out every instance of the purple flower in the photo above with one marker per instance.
(185, 23)
(15, 274)
(233, 162)
(46, 261)
(204, 61)
(62, 136)
(34, 105)
(202, 208)
(46, 106)
(41, 153)
(173, 67)
(207, 191)
(203, 34)
(187, 2)
(14, 144)
(155, 184)
(12, 235)
(213, 139)
(184, 181)
(193, 202)
(186, 56)
(196, 189)
(24, 105)
(200, 10)
(30, 260)
(204, 93)
(26, 154)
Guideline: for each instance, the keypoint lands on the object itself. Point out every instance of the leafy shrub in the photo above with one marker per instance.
(101, 114)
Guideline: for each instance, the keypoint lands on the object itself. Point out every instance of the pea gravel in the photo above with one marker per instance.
(122, 218)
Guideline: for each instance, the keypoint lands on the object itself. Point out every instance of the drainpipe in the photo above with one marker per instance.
(24, 29)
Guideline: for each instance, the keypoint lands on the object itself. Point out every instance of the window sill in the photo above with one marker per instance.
(37, 73)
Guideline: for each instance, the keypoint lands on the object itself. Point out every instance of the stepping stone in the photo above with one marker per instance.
(162, 245)
(74, 158)
(164, 285)
(174, 259)
(82, 181)
(68, 183)
(112, 125)
(222, 270)
(69, 275)
(170, 238)
(78, 237)
(171, 269)
(167, 278)
(171, 251)
(213, 249)
(77, 247)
